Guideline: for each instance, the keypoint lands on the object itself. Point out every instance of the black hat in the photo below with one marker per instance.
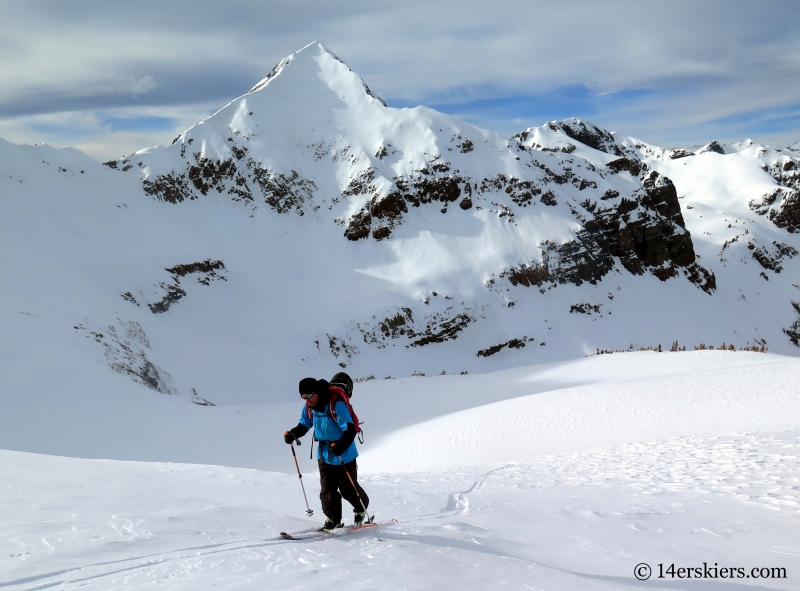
(312, 386)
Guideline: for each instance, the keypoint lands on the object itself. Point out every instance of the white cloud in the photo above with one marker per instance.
(700, 61)
(115, 83)
(90, 131)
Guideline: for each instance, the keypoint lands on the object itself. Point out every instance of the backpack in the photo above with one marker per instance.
(343, 381)
(338, 394)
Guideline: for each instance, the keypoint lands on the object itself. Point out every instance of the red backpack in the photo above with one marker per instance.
(338, 394)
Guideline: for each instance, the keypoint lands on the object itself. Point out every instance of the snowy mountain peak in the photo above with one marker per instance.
(560, 136)
(308, 101)
(712, 146)
(440, 246)
(589, 134)
(315, 59)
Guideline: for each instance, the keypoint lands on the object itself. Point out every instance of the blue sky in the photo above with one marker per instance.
(508, 108)
(773, 120)
(110, 79)
(511, 113)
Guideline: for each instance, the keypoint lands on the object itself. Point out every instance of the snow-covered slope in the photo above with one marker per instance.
(580, 521)
(307, 227)
(658, 463)
(633, 397)
(554, 207)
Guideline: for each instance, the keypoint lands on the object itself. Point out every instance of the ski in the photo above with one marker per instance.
(342, 531)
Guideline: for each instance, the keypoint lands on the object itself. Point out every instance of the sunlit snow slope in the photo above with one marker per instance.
(671, 458)
(307, 227)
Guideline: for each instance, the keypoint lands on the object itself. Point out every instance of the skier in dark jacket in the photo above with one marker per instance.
(336, 453)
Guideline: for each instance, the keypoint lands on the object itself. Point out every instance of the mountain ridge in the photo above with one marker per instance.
(344, 233)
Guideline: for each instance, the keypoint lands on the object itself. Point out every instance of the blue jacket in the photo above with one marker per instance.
(327, 430)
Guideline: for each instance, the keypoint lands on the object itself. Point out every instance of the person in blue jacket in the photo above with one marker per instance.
(336, 453)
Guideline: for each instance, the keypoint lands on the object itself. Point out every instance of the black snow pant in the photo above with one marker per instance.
(335, 485)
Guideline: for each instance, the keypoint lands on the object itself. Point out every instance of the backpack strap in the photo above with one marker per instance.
(337, 391)
(332, 411)
(336, 394)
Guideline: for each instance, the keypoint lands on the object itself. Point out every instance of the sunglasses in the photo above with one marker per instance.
(306, 396)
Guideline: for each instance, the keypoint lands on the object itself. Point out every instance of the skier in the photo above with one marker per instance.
(335, 429)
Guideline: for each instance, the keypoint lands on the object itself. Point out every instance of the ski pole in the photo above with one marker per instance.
(355, 488)
(309, 511)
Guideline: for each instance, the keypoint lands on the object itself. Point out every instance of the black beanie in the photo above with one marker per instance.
(312, 386)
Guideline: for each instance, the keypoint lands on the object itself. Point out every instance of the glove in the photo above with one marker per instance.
(295, 433)
(346, 440)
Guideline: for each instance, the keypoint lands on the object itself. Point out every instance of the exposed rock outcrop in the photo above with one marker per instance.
(511, 344)
(630, 165)
(787, 215)
(125, 348)
(204, 271)
(433, 183)
(793, 331)
(359, 225)
(418, 330)
(585, 308)
(781, 206)
(772, 259)
(712, 146)
(645, 232)
(679, 153)
(588, 134)
(283, 192)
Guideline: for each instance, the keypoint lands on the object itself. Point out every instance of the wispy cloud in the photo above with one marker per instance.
(139, 123)
(665, 72)
(106, 133)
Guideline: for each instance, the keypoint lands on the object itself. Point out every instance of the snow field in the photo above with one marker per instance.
(711, 475)
(578, 520)
(729, 398)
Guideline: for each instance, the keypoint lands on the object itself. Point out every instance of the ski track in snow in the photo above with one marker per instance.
(578, 520)
(529, 517)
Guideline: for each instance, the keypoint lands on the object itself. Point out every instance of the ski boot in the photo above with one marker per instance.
(361, 517)
(330, 525)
